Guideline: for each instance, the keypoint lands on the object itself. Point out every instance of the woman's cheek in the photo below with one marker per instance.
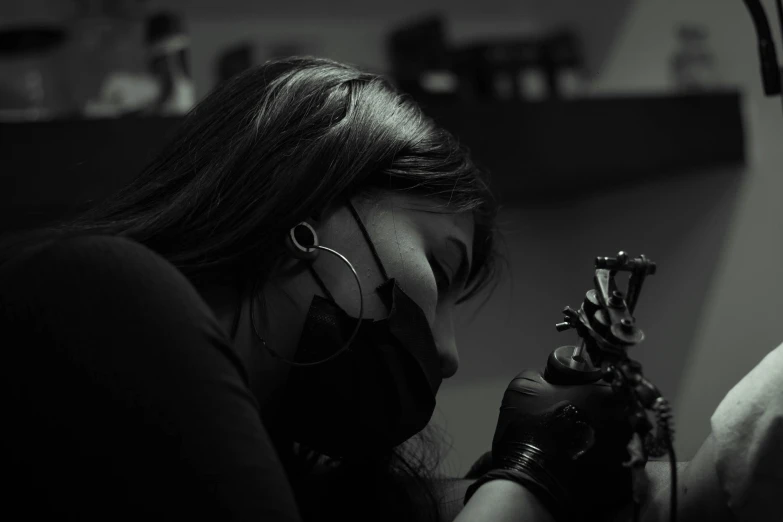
(412, 270)
(422, 288)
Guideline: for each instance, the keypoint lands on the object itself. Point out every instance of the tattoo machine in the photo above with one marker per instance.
(608, 330)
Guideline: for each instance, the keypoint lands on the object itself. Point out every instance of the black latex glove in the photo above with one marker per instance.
(566, 444)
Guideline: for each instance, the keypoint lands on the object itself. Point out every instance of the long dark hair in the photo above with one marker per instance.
(273, 146)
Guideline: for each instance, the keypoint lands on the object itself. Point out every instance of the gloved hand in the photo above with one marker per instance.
(564, 443)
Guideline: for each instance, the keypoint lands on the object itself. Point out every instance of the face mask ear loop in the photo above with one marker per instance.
(342, 350)
(369, 241)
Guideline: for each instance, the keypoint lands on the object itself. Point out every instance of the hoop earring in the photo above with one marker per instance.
(302, 241)
(308, 252)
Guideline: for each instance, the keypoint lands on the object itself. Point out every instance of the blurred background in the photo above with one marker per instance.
(614, 125)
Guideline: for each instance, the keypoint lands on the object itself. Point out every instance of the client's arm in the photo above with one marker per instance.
(737, 474)
(699, 495)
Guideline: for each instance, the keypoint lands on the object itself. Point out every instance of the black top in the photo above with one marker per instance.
(122, 397)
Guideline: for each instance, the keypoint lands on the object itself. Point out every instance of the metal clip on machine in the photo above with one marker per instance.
(608, 330)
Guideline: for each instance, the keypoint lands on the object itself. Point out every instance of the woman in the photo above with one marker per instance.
(189, 348)
(284, 144)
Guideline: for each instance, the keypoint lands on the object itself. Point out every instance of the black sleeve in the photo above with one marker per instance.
(122, 398)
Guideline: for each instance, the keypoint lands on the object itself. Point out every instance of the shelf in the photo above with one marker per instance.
(537, 151)
(534, 151)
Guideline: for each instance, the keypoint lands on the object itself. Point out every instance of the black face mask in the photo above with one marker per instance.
(376, 394)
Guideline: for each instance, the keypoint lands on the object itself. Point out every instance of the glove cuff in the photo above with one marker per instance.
(531, 460)
(552, 504)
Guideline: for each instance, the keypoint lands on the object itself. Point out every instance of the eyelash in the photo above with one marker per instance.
(441, 279)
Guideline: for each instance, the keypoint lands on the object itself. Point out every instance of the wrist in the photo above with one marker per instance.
(544, 495)
(505, 500)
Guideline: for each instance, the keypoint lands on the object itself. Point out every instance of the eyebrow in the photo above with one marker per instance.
(464, 266)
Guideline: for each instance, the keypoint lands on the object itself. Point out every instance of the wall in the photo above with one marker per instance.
(740, 322)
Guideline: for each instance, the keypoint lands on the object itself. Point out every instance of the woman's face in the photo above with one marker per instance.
(427, 251)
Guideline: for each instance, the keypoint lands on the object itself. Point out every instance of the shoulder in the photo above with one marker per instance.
(62, 251)
(109, 283)
(23, 246)
(109, 271)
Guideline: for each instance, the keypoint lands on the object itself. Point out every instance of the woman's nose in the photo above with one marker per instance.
(449, 359)
(446, 343)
